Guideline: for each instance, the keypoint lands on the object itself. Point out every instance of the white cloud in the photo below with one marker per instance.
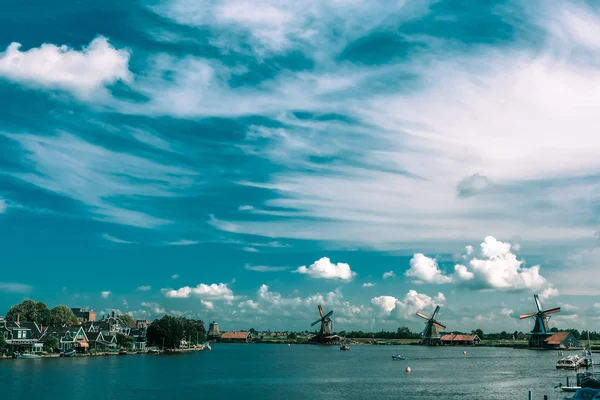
(209, 292)
(264, 268)
(82, 72)
(250, 249)
(408, 306)
(548, 293)
(207, 304)
(174, 276)
(3, 206)
(389, 274)
(144, 288)
(105, 294)
(325, 269)
(472, 185)
(113, 239)
(368, 284)
(507, 312)
(425, 270)
(182, 242)
(12, 287)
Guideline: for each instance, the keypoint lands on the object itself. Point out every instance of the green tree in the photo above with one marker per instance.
(127, 320)
(193, 330)
(292, 336)
(125, 342)
(253, 331)
(62, 315)
(3, 345)
(168, 330)
(51, 344)
(554, 329)
(29, 311)
(479, 333)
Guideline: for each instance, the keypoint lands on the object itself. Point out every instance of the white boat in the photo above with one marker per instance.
(29, 356)
(399, 357)
(570, 362)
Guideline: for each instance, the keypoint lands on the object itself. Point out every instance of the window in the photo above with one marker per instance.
(20, 334)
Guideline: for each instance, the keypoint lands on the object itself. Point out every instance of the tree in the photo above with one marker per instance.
(62, 315)
(127, 320)
(51, 344)
(29, 311)
(125, 342)
(168, 330)
(479, 333)
(3, 345)
(253, 331)
(292, 336)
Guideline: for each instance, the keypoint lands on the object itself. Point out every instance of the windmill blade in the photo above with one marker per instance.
(437, 309)
(552, 311)
(527, 315)
(423, 316)
(328, 314)
(316, 322)
(537, 302)
(439, 325)
(321, 310)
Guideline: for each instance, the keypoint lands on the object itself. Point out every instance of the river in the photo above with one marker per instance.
(269, 371)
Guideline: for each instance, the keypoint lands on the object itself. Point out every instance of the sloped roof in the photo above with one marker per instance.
(558, 338)
(235, 335)
(465, 338)
(447, 337)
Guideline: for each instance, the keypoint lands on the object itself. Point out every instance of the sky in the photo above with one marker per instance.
(246, 160)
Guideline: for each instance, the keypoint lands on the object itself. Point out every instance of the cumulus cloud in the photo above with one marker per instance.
(408, 306)
(425, 270)
(389, 274)
(105, 294)
(325, 269)
(207, 304)
(548, 293)
(144, 288)
(97, 65)
(210, 292)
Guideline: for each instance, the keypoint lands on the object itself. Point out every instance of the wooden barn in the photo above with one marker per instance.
(236, 337)
(460, 340)
(562, 340)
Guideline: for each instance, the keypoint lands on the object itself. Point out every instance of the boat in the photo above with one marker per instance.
(123, 352)
(153, 351)
(70, 353)
(28, 356)
(570, 362)
(399, 357)
(344, 347)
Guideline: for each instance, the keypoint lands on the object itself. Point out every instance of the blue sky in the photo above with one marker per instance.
(245, 160)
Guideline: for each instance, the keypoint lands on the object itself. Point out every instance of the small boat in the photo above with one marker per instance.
(29, 355)
(570, 362)
(153, 351)
(399, 357)
(344, 347)
(70, 353)
(123, 352)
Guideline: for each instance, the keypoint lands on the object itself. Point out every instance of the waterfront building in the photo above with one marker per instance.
(236, 337)
(213, 331)
(562, 340)
(19, 337)
(431, 335)
(450, 339)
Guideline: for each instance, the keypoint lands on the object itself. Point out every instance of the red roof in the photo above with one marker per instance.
(235, 335)
(465, 338)
(557, 338)
(447, 337)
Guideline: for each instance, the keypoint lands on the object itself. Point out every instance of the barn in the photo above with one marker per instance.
(236, 337)
(562, 340)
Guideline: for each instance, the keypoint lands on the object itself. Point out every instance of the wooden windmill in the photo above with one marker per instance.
(540, 331)
(431, 333)
(325, 334)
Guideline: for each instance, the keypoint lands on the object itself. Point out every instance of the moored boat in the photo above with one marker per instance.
(70, 353)
(344, 347)
(123, 352)
(570, 362)
(28, 355)
(399, 357)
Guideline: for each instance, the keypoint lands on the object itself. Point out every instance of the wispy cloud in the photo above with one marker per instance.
(368, 284)
(389, 274)
(174, 276)
(3, 206)
(113, 239)
(182, 242)
(144, 288)
(11, 287)
(105, 294)
(264, 268)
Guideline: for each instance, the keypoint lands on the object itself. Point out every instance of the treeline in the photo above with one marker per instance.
(169, 331)
(401, 333)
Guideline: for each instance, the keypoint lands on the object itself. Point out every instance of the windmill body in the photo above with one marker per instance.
(541, 331)
(325, 335)
(431, 334)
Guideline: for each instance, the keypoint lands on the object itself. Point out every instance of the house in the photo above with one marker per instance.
(69, 338)
(139, 338)
(105, 342)
(19, 337)
(236, 337)
(84, 314)
(562, 340)
(451, 339)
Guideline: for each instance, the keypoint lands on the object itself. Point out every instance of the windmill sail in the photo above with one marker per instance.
(431, 333)
(541, 330)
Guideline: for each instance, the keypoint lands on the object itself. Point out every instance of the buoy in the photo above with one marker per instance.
(289, 344)
(408, 369)
(464, 352)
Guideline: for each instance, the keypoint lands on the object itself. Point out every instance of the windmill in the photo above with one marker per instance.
(325, 334)
(540, 330)
(431, 335)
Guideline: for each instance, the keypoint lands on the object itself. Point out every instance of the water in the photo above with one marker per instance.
(233, 371)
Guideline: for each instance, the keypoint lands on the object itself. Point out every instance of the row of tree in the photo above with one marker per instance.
(168, 331)
(38, 312)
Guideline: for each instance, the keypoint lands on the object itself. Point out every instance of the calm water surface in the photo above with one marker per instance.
(265, 371)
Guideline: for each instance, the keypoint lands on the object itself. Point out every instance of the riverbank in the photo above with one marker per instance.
(112, 353)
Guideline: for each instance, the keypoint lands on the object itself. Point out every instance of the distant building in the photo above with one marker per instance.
(142, 323)
(237, 337)
(213, 331)
(84, 314)
(562, 340)
(450, 339)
